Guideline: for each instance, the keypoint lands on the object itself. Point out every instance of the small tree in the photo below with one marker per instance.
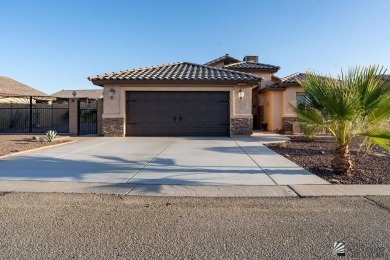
(352, 105)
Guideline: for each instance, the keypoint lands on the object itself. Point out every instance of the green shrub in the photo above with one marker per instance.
(309, 130)
(51, 135)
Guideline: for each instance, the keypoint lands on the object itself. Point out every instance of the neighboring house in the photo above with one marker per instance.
(25, 109)
(14, 92)
(86, 95)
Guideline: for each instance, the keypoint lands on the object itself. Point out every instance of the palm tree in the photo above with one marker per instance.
(353, 105)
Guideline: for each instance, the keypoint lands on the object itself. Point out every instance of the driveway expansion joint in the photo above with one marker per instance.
(255, 162)
(291, 187)
(127, 193)
(162, 150)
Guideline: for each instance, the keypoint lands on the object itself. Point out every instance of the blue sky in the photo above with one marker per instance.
(54, 45)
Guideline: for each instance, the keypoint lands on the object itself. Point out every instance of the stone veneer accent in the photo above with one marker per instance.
(241, 126)
(113, 127)
(287, 123)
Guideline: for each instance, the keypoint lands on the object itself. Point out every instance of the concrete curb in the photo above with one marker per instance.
(129, 189)
(341, 190)
(211, 191)
(36, 149)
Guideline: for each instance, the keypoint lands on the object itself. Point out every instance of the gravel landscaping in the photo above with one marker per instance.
(316, 156)
(17, 143)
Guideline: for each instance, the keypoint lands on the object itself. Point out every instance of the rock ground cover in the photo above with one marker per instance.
(316, 156)
(17, 143)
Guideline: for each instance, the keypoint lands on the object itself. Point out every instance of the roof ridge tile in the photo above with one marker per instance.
(177, 71)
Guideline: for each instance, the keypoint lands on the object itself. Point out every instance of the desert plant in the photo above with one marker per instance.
(309, 130)
(281, 144)
(51, 135)
(352, 105)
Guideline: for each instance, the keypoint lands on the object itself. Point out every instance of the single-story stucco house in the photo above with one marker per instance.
(223, 97)
(24, 109)
(15, 92)
(85, 95)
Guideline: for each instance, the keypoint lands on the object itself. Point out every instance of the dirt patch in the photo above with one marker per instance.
(316, 156)
(17, 143)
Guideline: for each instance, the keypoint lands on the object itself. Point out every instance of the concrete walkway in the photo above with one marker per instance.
(199, 161)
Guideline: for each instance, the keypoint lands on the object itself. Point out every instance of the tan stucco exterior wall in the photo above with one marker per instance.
(290, 98)
(266, 78)
(116, 107)
(73, 117)
(277, 104)
(256, 98)
(99, 119)
(273, 107)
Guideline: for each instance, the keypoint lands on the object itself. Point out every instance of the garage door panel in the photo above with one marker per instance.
(177, 113)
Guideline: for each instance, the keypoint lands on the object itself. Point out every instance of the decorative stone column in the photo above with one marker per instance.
(114, 127)
(241, 126)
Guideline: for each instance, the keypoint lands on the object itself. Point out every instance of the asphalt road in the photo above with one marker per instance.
(69, 226)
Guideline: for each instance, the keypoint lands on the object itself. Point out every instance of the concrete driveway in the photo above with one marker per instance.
(159, 160)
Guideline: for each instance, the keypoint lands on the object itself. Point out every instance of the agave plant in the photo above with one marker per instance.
(355, 104)
(51, 135)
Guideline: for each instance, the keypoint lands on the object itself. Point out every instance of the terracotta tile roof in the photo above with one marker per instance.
(83, 93)
(247, 65)
(225, 57)
(294, 78)
(291, 79)
(13, 88)
(180, 71)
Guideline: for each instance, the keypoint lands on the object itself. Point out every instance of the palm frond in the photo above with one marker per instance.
(379, 114)
(373, 91)
(334, 97)
(309, 115)
(379, 137)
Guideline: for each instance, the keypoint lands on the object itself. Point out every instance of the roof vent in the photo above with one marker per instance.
(251, 59)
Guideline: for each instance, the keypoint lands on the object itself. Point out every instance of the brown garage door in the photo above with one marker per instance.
(162, 113)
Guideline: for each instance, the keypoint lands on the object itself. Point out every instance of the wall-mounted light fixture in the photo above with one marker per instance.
(74, 94)
(111, 93)
(241, 94)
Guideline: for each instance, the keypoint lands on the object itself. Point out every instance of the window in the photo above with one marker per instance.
(301, 100)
